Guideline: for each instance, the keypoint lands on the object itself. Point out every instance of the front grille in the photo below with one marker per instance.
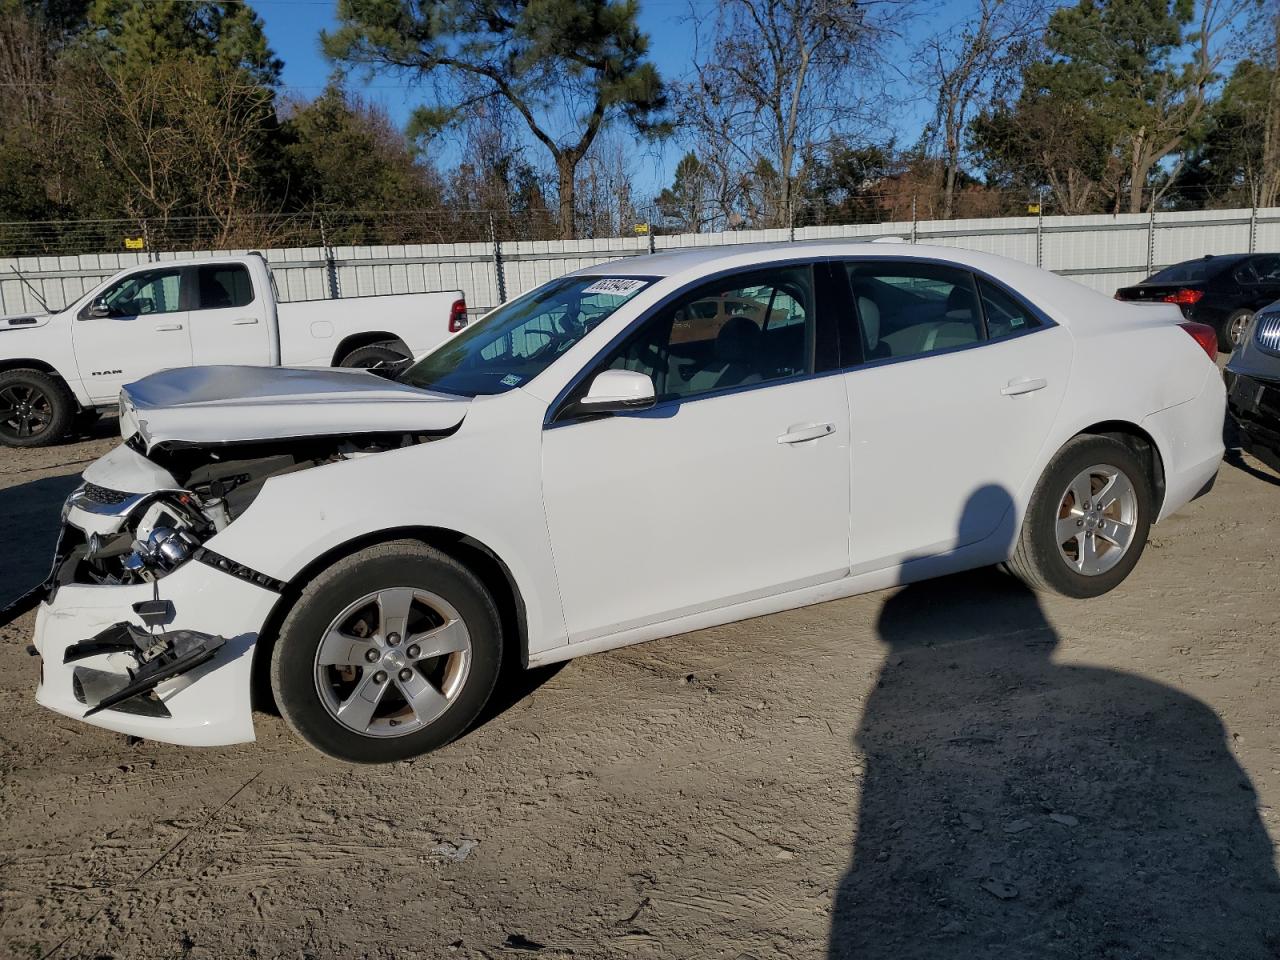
(1266, 332)
(102, 495)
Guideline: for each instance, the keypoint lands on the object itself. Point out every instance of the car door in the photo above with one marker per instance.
(229, 319)
(734, 486)
(1263, 280)
(949, 410)
(144, 329)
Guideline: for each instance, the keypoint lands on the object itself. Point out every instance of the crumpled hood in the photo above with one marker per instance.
(197, 406)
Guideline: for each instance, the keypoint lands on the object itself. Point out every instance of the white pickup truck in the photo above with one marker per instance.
(60, 367)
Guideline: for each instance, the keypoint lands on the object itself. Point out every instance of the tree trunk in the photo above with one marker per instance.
(566, 167)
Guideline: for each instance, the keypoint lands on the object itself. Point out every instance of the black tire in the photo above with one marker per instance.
(403, 563)
(1037, 559)
(1233, 329)
(36, 408)
(373, 355)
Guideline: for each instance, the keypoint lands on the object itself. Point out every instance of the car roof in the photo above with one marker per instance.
(1063, 299)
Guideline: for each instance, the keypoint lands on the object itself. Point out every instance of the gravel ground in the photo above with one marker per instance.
(953, 769)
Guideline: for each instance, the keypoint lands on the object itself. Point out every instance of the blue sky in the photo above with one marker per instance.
(293, 29)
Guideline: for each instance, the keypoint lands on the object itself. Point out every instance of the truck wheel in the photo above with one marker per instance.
(1087, 522)
(372, 356)
(388, 654)
(36, 408)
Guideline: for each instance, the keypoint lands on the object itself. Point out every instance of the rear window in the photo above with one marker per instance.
(1193, 271)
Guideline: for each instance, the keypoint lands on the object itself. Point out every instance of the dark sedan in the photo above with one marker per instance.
(1222, 291)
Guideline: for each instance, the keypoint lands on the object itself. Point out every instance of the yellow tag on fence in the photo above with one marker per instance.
(134, 243)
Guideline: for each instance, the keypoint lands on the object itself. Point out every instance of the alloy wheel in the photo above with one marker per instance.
(1238, 327)
(25, 411)
(1097, 518)
(393, 662)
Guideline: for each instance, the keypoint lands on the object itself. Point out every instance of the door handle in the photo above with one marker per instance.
(244, 321)
(169, 326)
(1023, 385)
(800, 432)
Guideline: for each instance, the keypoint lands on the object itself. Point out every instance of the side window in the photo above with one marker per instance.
(908, 309)
(1265, 269)
(1005, 315)
(223, 286)
(142, 294)
(734, 332)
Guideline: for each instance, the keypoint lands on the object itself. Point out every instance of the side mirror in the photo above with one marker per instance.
(98, 309)
(617, 391)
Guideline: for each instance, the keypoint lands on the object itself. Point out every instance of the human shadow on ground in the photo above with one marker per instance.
(1018, 807)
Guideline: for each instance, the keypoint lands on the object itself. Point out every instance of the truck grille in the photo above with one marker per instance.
(102, 495)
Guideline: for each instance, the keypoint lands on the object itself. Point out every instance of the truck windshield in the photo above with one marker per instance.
(520, 339)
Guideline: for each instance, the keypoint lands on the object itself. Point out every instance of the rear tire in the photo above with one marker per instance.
(36, 408)
(1233, 330)
(1088, 519)
(373, 355)
(355, 670)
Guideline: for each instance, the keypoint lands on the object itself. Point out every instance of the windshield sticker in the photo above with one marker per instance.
(616, 286)
(511, 380)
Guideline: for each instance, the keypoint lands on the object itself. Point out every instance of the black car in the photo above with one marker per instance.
(1222, 291)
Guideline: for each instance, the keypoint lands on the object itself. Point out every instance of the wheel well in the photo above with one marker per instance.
(471, 553)
(29, 365)
(1141, 443)
(32, 364)
(366, 339)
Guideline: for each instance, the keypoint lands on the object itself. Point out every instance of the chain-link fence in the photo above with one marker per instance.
(492, 259)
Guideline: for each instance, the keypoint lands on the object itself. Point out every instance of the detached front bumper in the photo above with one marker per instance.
(209, 704)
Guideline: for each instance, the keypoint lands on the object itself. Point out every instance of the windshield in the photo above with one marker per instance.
(520, 339)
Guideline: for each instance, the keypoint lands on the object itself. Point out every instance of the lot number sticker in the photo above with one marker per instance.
(618, 287)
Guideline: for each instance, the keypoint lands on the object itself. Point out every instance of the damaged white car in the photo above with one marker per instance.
(637, 450)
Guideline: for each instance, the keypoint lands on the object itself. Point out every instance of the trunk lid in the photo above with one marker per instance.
(1155, 292)
(199, 406)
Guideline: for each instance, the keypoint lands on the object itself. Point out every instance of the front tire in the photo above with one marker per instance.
(390, 653)
(1086, 525)
(36, 408)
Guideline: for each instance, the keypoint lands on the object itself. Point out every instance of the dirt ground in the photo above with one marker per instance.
(954, 769)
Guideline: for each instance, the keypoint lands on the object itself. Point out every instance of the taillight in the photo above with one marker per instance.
(457, 316)
(1184, 298)
(1204, 335)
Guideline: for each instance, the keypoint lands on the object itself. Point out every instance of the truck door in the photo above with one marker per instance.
(136, 326)
(230, 322)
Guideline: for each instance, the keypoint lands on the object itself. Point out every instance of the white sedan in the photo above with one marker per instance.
(636, 450)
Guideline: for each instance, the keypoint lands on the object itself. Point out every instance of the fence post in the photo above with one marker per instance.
(1253, 223)
(1040, 228)
(648, 232)
(499, 271)
(791, 218)
(1151, 233)
(146, 240)
(330, 265)
(913, 218)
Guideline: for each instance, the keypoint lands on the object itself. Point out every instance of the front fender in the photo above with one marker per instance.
(484, 481)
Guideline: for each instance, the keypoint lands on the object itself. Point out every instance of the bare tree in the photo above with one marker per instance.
(777, 75)
(965, 68)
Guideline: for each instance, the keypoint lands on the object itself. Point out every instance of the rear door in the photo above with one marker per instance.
(145, 330)
(949, 409)
(229, 318)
